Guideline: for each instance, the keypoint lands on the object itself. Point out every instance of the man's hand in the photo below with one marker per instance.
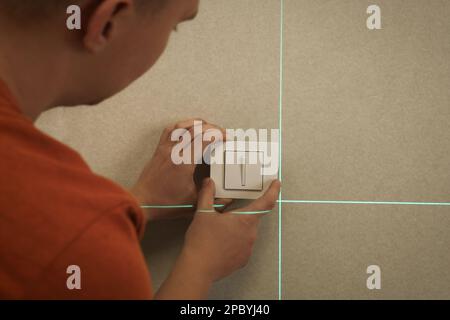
(216, 244)
(222, 243)
(163, 183)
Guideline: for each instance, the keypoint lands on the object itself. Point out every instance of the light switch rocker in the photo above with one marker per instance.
(241, 174)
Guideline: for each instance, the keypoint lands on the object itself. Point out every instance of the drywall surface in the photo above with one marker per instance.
(365, 117)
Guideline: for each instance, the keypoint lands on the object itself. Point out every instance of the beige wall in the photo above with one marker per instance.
(366, 116)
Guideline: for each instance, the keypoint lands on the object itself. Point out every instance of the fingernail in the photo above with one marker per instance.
(206, 181)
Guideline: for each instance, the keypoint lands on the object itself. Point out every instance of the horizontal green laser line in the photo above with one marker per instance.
(406, 203)
(237, 212)
(180, 206)
(252, 212)
(396, 203)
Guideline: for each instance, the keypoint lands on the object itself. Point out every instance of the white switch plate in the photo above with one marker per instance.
(245, 178)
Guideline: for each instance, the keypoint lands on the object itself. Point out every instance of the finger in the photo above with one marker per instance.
(205, 128)
(263, 204)
(222, 130)
(206, 196)
(218, 137)
(187, 138)
(191, 135)
(268, 200)
(223, 203)
(167, 132)
(186, 124)
(207, 144)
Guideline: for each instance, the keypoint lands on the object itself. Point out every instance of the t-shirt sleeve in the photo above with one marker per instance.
(109, 258)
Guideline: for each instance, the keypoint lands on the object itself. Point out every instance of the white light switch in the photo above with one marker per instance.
(243, 171)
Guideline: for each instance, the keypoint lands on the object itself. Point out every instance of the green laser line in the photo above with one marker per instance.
(237, 212)
(280, 139)
(407, 203)
(252, 212)
(180, 206)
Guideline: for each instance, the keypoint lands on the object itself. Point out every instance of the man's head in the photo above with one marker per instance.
(118, 42)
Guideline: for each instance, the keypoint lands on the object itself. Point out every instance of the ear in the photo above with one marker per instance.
(102, 21)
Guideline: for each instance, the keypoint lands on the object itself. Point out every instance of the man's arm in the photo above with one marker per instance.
(110, 259)
(186, 281)
(216, 245)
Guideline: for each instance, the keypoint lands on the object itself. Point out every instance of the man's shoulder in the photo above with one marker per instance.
(47, 179)
(35, 163)
(42, 175)
(49, 198)
(21, 143)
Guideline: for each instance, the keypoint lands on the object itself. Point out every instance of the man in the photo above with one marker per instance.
(54, 211)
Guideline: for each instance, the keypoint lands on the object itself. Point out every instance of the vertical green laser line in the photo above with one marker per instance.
(280, 122)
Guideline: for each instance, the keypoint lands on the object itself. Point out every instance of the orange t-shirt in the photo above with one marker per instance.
(54, 213)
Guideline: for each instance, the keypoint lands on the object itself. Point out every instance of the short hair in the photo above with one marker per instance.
(26, 9)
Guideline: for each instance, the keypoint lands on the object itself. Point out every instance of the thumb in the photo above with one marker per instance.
(206, 196)
(264, 203)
